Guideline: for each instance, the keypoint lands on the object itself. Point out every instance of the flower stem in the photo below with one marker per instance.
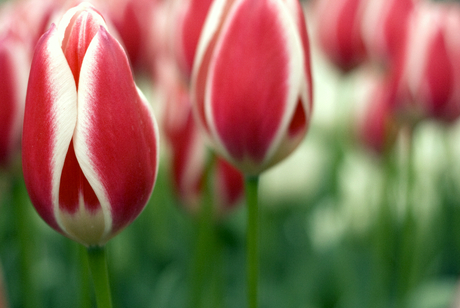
(97, 260)
(203, 254)
(26, 242)
(252, 259)
(85, 294)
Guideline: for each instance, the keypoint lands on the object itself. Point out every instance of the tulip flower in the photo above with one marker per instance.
(190, 16)
(90, 140)
(251, 81)
(429, 69)
(338, 30)
(133, 19)
(14, 68)
(384, 27)
(379, 126)
(252, 93)
(187, 150)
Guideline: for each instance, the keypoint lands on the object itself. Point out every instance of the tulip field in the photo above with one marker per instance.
(229, 153)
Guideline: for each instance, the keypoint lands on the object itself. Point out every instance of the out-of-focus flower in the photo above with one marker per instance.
(14, 69)
(188, 154)
(384, 27)
(430, 65)
(378, 126)
(338, 29)
(190, 17)
(251, 81)
(27, 20)
(133, 19)
(90, 140)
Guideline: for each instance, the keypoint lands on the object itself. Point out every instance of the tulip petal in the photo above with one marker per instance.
(254, 80)
(14, 68)
(9, 99)
(79, 35)
(116, 138)
(49, 120)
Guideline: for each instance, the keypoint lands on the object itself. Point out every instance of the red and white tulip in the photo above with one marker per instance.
(429, 68)
(189, 16)
(90, 140)
(14, 68)
(188, 154)
(384, 27)
(251, 81)
(378, 125)
(338, 30)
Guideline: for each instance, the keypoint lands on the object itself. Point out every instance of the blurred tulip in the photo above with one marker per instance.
(338, 29)
(430, 65)
(133, 19)
(27, 20)
(384, 27)
(90, 141)
(14, 69)
(251, 81)
(378, 126)
(188, 152)
(191, 15)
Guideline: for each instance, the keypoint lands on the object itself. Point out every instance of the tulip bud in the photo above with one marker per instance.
(379, 126)
(251, 81)
(134, 23)
(430, 64)
(14, 68)
(188, 152)
(384, 27)
(90, 140)
(191, 15)
(338, 28)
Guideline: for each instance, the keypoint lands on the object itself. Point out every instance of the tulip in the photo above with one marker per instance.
(429, 69)
(190, 16)
(251, 81)
(133, 19)
(384, 27)
(188, 155)
(14, 68)
(379, 126)
(338, 30)
(90, 140)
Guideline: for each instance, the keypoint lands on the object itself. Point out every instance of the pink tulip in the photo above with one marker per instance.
(251, 81)
(187, 152)
(133, 19)
(379, 126)
(14, 68)
(338, 29)
(90, 140)
(191, 15)
(384, 27)
(430, 66)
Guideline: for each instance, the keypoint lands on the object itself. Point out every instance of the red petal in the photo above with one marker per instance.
(11, 98)
(49, 121)
(116, 140)
(250, 80)
(201, 67)
(78, 35)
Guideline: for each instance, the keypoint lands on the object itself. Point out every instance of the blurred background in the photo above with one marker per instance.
(365, 213)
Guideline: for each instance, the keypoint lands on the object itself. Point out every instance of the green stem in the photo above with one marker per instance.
(85, 295)
(97, 260)
(409, 230)
(251, 189)
(26, 242)
(203, 254)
